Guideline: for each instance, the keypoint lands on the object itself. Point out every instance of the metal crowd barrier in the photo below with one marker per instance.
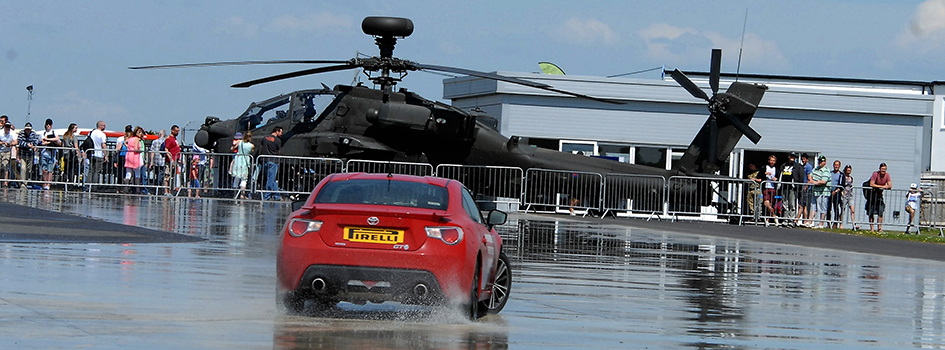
(895, 214)
(933, 208)
(634, 195)
(105, 170)
(293, 175)
(488, 184)
(797, 208)
(22, 170)
(547, 190)
(373, 166)
(562, 191)
(198, 173)
(705, 199)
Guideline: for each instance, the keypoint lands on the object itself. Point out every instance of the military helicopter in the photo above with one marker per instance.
(379, 123)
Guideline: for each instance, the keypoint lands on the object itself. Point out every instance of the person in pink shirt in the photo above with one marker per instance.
(877, 206)
(133, 163)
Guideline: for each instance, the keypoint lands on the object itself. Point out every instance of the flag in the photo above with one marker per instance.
(550, 68)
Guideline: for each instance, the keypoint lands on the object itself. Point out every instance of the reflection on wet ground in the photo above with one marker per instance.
(577, 284)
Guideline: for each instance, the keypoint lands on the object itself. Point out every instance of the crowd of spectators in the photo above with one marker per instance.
(135, 162)
(802, 194)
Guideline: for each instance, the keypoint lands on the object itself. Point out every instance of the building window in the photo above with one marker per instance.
(544, 143)
(584, 148)
(650, 156)
(621, 152)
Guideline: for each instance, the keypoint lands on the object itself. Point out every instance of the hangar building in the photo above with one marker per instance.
(859, 122)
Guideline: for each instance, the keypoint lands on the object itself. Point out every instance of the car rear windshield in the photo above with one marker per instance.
(384, 192)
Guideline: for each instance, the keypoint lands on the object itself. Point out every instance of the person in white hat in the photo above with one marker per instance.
(27, 143)
(912, 202)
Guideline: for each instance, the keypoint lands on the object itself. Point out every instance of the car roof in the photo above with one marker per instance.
(437, 181)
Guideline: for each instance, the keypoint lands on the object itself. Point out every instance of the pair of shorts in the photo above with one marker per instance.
(803, 198)
(911, 205)
(769, 195)
(5, 161)
(47, 162)
(876, 208)
(820, 203)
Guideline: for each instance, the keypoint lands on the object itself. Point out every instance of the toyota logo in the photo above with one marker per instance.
(372, 220)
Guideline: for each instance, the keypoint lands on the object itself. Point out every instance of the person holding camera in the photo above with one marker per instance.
(47, 157)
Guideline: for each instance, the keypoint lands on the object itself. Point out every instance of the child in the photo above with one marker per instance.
(912, 202)
(195, 175)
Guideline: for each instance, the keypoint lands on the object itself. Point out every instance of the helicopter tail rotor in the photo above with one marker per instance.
(730, 112)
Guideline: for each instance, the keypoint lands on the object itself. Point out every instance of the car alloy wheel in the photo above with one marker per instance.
(501, 286)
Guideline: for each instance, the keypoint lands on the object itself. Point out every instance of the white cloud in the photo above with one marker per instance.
(660, 37)
(237, 26)
(688, 46)
(926, 29)
(928, 18)
(588, 32)
(315, 22)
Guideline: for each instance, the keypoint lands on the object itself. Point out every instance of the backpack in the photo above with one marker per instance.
(87, 144)
(867, 190)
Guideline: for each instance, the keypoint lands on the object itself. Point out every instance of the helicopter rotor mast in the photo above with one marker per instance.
(386, 30)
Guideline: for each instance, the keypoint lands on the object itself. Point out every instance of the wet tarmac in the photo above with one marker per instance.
(588, 284)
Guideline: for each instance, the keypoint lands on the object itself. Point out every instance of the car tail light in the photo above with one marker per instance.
(299, 227)
(448, 234)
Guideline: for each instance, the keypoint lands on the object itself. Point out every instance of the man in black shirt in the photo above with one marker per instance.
(792, 173)
(270, 147)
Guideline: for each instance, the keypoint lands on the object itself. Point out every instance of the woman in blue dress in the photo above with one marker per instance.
(242, 162)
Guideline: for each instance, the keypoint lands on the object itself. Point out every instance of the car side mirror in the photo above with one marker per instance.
(497, 217)
(296, 205)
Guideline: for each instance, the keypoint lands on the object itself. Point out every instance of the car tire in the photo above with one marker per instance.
(501, 287)
(294, 305)
(323, 307)
(472, 307)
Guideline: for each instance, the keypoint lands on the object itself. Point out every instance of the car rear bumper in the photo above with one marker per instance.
(359, 284)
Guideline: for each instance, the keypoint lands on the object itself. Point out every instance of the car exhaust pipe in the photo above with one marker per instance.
(420, 289)
(319, 284)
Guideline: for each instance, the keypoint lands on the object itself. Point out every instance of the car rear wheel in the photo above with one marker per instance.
(472, 307)
(501, 287)
(293, 303)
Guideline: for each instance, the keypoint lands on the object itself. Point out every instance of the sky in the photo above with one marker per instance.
(76, 54)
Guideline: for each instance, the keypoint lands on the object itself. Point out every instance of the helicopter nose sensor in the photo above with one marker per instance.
(387, 26)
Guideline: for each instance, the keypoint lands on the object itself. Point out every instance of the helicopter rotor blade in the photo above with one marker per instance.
(687, 84)
(238, 63)
(713, 138)
(746, 130)
(479, 74)
(598, 99)
(347, 65)
(715, 70)
(512, 80)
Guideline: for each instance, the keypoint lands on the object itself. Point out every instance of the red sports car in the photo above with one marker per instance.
(384, 237)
